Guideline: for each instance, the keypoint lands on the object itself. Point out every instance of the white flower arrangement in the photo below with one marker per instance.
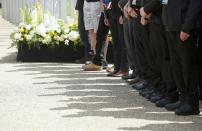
(36, 31)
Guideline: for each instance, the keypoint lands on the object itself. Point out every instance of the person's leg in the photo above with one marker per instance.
(113, 22)
(200, 62)
(105, 49)
(101, 36)
(166, 88)
(124, 67)
(84, 35)
(139, 53)
(183, 61)
(93, 40)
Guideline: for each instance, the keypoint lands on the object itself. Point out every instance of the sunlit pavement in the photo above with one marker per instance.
(61, 97)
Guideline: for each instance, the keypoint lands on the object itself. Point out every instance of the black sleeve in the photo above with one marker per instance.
(79, 5)
(152, 6)
(194, 8)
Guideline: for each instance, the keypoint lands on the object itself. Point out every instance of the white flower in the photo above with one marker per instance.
(66, 42)
(40, 39)
(17, 36)
(61, 39)
(73, 35)
(44, 41)
(28, 27)
(66, 30)
(22, 24)
(65, 36)
(58, 30)
(28, 37)
(41, 30)
(32, 33)
(48, 38)
(58, 38)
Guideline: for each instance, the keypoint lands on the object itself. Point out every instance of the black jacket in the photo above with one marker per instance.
(79, 5)
(181, 15)
(154, 7)
(116, 11)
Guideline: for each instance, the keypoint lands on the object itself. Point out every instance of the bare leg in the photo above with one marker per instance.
(93, 40)
(105, 49)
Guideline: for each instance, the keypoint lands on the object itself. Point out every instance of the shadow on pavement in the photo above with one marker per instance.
(85, 94)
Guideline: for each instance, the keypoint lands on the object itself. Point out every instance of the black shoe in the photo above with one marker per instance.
(163, 102)
(148, 96)
(139, 86)
(111, 74)
(147, 93)
(200, 97)
(187, 109)
(131, 76)
(155, 98)
(133, 81)
(127, 77)
(83, 60)
(174, 106)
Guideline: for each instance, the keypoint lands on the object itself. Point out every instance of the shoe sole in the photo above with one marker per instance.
(188, 113)
(92, 70)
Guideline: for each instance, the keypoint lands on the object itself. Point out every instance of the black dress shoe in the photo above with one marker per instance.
(187, 109)
(163, 102)
(155, 98)
(131, 76)
(174, 106)
(148, 96)
(200, 97)
(133, 81)
(111, 74)
(147, 93)
(140, 86)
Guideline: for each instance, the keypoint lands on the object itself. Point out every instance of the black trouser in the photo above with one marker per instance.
(127, 27)
(139, 52)
(200, 61)
(152, 76)
(101, 36)
(83, 33)
(119, 48)
(162, 67)
(184, 65)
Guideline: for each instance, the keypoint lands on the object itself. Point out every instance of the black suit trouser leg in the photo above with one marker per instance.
(101, 36)
(83, 33)
(184, 64)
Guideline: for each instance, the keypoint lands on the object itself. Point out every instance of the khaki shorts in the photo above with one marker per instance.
(92, 14)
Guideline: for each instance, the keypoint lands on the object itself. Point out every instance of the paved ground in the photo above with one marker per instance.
(61, 97)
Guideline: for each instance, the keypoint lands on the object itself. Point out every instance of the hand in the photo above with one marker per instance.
(143, 21)
(102, 7)
(106, 21)
(121, 20)
(132, 12)
(184, 36)
(125, 12)
(143, 13)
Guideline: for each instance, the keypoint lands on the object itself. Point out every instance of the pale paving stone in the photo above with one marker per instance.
(61, 97)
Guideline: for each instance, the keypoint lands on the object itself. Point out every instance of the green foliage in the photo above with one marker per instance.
(26, 15)
(68, 7)
(39, 13)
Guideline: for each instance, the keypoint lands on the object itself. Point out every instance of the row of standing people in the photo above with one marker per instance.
(160, 41)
